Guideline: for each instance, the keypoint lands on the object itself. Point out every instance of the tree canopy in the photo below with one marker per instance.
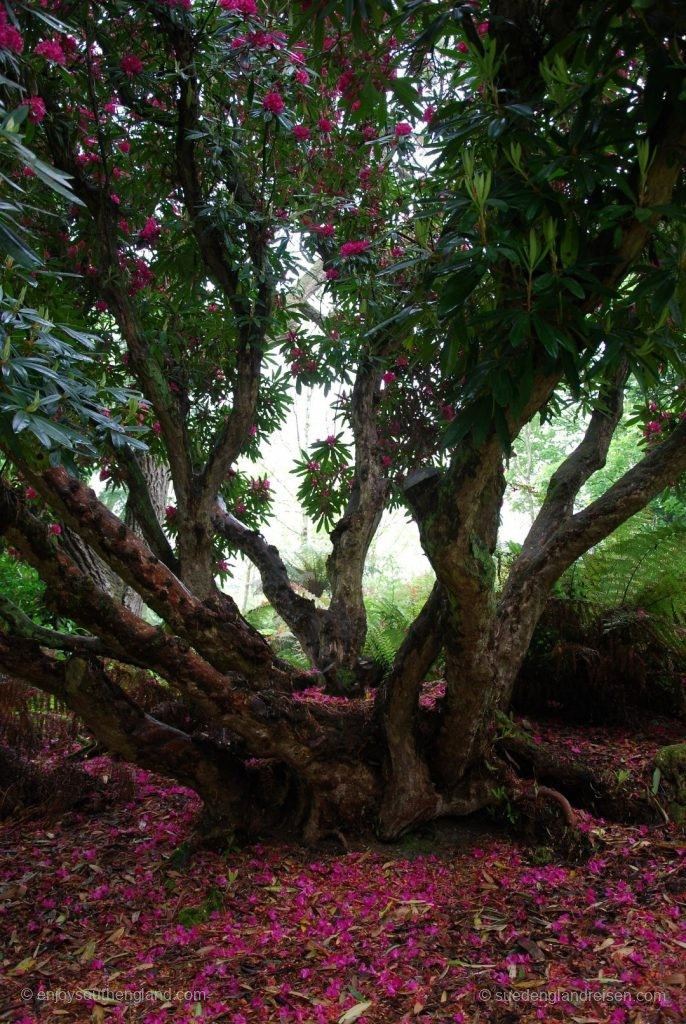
(451, 217)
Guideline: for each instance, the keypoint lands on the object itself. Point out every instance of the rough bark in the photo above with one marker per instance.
(84, 685)
(409, 794)
(215, 628)
(344, 627)
(156, 478)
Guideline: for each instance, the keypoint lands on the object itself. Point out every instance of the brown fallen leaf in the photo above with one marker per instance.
(532, 948)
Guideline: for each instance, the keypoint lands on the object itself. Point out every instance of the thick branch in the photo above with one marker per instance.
(658, 469)
(344, 629)
(140, 502)
(397, 697)
(300, 613)
(267, 723)
(226, 641)
(84, 685)
(409, 793)
(23, 627)
(251, 323)
(587, 458)
(668, 148)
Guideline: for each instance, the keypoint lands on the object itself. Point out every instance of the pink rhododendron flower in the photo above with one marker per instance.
(55, 529)
(354, 248)
(403, 128)
(331, 274)
(301, 132)
(52, 51)
(273, 102)
(151, 231)
(325, 125)
(246, 7)
(131, 65)
(10, 39)
(36, 107)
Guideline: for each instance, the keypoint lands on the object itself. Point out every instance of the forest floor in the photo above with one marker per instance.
(101, 921)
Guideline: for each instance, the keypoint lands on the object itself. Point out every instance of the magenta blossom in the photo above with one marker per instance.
(10, 39)
(301, 132)
(52, 51)
(354, 248)
(37, 109)
(150, 232)
(248, 8)
(273, 102)
(131, 65)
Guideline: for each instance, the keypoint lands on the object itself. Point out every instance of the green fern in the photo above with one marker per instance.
(388, 619)
(640, 567)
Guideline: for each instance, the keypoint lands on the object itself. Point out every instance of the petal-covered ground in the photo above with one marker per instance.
(100, 921)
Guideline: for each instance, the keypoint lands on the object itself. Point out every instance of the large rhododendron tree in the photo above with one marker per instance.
(452, 218)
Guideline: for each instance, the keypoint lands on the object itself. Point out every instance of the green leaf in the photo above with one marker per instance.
(14, 246)
(546, 335)
(407, 94)
(574, 287)
(520, 330)
(657, 775)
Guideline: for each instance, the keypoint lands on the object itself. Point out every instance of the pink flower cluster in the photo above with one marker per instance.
(273, 102)
(354, 248)
(10, 39)
(150, 232)
(131, 65)
(52, 50)
(37, 110)
(248, 8)
(301, 132)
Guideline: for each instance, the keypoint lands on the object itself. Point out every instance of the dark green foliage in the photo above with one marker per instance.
(23, 585)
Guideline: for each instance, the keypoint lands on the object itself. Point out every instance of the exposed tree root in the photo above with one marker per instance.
(574, 783)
